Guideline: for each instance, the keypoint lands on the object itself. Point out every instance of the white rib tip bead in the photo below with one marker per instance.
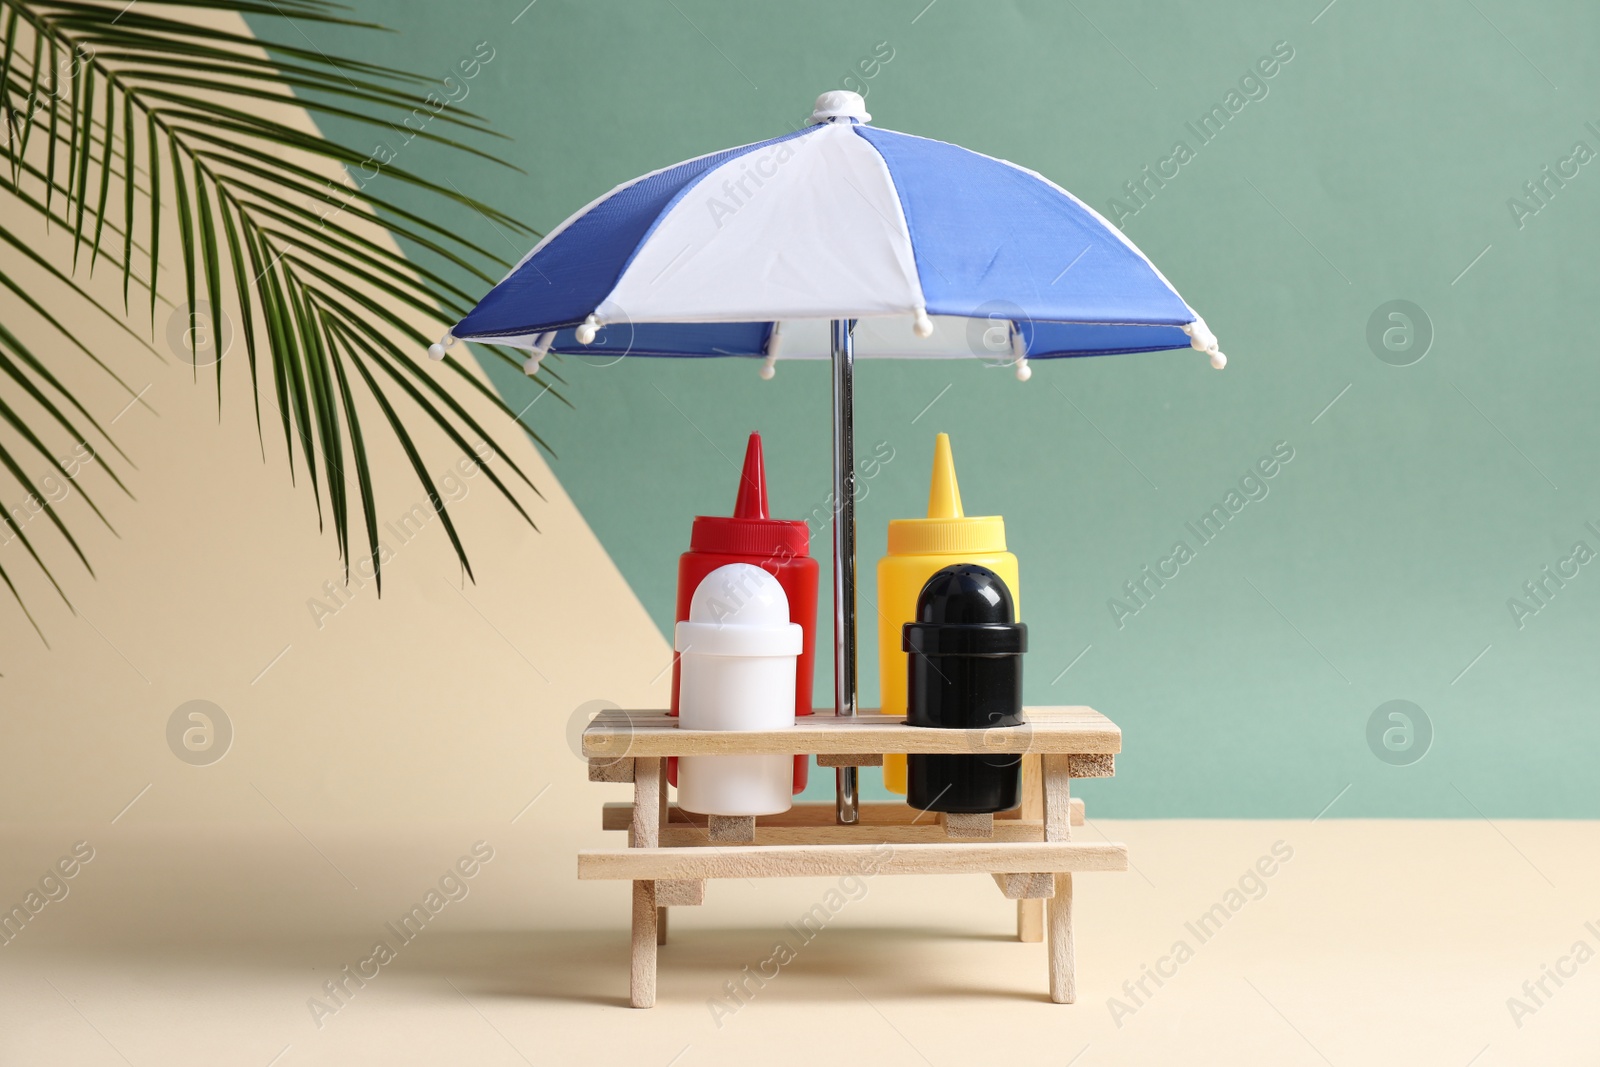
(923, 326)
(1201, 339)
(1024, 372)
(436, 352)
(530, 366)
(769, 367)
(586, 332)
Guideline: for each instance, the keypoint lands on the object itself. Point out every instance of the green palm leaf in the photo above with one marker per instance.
(95, 96)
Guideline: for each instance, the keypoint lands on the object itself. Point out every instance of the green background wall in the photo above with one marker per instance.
(1377, 167)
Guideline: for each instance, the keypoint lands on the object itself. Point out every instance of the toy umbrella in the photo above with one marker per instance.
(838, 240)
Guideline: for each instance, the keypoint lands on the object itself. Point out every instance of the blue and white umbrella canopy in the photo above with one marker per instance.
(936, 250)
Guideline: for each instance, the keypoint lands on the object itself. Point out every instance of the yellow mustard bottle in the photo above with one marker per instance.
(918, 548)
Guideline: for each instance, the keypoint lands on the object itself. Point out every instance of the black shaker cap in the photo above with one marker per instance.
(965, 609)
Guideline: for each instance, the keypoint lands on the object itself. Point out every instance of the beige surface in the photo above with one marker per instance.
(1377, 943)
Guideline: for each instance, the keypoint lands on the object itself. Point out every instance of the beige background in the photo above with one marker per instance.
(436, 702)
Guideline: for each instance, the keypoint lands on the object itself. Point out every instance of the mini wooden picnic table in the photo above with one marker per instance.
(1030, 852)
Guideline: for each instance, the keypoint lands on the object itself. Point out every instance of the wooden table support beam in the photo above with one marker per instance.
(731, 829)
(812, 861)
(688, 835)
(846, 759)
(968, 826)
(618, 815)
(1036, 885)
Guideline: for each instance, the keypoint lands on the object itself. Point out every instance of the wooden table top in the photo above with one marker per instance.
(1058, 730)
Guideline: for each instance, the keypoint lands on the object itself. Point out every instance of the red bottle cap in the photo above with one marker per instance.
(749, 531)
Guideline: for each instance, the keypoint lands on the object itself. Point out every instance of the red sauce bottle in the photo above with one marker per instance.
(782, 548)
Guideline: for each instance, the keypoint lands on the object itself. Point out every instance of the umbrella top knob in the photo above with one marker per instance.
(839, 104)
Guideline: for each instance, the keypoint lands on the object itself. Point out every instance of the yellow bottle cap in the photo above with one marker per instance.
(947, 530)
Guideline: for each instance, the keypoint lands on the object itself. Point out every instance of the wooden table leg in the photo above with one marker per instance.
(642, 979)
(661, 912)
(1063, 961)
(1030, 913)
(1058, 827)
(645, 832)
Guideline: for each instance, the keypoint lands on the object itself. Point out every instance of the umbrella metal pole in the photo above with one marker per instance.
(844, 554)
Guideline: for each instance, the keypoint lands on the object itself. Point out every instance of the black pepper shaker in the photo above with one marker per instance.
(964, 672)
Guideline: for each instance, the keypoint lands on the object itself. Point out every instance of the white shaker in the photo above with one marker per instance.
(737, 653)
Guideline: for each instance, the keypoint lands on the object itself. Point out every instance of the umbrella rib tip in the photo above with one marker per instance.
(1201, 339)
